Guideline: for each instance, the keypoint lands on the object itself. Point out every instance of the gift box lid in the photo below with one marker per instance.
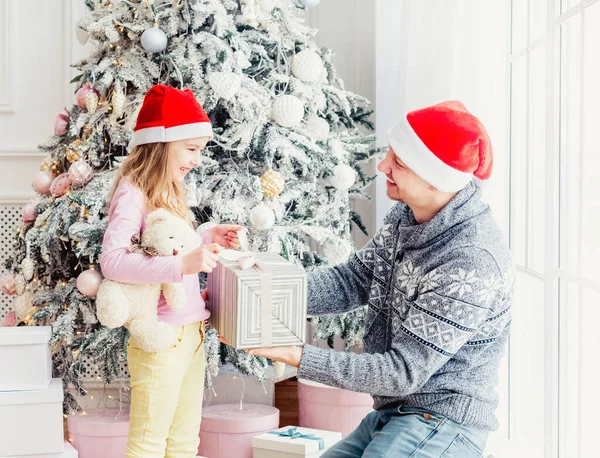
(54, 393)
(296, 440)
(228, 418)
(25, 335)
(110, 422)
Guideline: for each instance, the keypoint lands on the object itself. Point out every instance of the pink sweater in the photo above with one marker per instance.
(125, 218)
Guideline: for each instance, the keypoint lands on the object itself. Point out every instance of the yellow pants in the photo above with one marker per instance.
(166, 397)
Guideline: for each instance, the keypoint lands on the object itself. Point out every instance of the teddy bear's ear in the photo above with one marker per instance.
(157, 216)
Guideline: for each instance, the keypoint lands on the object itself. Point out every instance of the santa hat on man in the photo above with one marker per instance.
(445, 145)
(168, 115)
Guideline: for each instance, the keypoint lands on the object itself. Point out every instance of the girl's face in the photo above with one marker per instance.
(184, 155)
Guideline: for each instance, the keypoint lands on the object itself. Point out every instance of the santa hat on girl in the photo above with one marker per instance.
(168, 115)
(445, 145)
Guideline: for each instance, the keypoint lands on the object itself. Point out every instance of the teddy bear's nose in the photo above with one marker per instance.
(175, 252)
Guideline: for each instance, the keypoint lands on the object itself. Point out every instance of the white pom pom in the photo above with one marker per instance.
(343, 177)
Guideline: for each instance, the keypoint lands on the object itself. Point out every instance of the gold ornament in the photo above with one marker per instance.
(27, 268)
(50, 164)
(73, 152)
(272, 183)
(91, 102)
(20, 284)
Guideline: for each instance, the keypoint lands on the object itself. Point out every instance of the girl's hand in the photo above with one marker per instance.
(226, 235)
(203, 259)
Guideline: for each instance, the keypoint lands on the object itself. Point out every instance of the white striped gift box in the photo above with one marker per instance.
(237, 298)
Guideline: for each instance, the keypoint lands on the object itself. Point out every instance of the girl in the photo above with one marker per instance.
(166, 387)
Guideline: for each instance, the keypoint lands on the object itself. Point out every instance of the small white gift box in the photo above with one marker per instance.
(69, 452)
(294, 442)
(25, 358)
(31, 422)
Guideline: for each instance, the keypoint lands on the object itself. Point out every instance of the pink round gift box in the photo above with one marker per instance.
(331, 409)
(99, 433)
(227, 432)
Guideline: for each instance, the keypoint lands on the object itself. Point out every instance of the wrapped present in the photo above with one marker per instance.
(321, 406)
(31, 422)
(227, 430)
(294, 442)
(258, 299)
(99, 433)
(25, 358)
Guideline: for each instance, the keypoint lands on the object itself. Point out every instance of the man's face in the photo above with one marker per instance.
(402, 183)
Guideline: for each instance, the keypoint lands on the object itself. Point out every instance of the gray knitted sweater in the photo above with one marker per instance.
(439, 296)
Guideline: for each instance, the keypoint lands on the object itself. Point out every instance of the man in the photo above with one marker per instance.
(438, 282)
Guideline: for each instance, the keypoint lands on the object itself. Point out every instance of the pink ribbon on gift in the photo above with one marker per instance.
(246, 260)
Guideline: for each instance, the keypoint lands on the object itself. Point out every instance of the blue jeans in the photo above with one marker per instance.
(410, 432)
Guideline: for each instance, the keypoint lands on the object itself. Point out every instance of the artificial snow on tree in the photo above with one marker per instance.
(208, 46)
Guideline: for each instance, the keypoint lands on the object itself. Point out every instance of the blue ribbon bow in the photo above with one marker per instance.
(293, 433)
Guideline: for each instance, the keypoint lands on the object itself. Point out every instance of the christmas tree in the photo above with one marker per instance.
(284, 160)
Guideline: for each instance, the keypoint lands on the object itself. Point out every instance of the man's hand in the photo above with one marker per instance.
(226, 235)
(290, 355)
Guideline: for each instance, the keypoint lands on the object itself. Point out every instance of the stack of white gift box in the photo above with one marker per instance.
(31, 414)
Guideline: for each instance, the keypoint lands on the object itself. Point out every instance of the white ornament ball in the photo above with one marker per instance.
(88, 282)
(288, 111)
(343, 177)
(154, 40)
(224, 84)
(309, 3)
(262, 217)
(318, 128)
(307, 66)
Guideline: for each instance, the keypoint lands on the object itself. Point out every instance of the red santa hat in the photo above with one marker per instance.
(168, 115)
(444, 144)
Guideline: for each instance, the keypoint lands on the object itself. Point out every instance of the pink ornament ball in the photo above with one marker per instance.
(89, 282)
(80, 172)
(82, 92)
(29, 213)
(61, 185)
(62, 122)
(42, 182)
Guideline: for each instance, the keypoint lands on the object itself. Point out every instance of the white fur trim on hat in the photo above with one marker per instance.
(161, 135)
(412, 151)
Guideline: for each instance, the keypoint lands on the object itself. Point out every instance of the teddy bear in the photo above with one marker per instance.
(134, 305)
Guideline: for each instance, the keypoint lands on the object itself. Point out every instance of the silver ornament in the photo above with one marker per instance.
(118, 103)
(27, 268)
(262, 217)
(154, 40)
(24, 305)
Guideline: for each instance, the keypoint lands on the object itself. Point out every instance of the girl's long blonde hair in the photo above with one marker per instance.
(148, 168)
